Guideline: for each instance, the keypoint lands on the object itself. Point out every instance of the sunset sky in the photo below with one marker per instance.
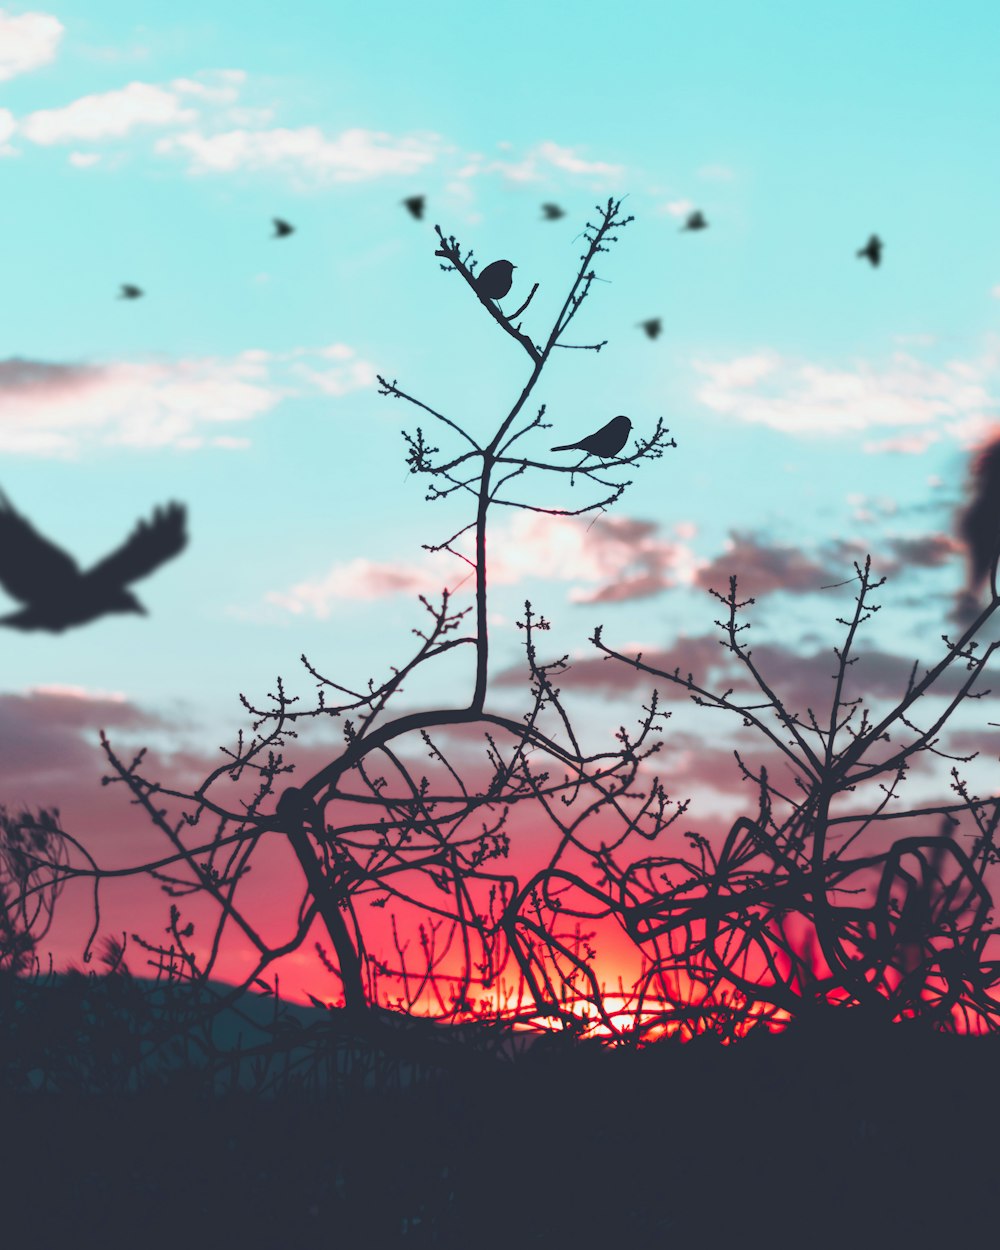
(822, 408)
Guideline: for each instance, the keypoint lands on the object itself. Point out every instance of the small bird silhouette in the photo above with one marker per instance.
(695, 221)
(652, 327)
(496, 279)
(979, 526)
(872, 250)
(553, 212)
(130, 292)
(282, 229)
(606, 442)
(57, 594)
(415, 205)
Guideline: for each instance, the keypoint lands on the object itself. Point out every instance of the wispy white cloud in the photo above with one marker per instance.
(27, 41)
(538, 164)
(352, 156)
(677, 208)
(51, 409)
(916, 399)
(109, 115)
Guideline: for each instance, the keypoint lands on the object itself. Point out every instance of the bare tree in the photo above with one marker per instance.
(375, 828)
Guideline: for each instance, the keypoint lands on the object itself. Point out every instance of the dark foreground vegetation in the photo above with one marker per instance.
(433, 1136)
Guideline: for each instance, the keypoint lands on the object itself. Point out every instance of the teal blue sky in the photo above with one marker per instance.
(822, 408)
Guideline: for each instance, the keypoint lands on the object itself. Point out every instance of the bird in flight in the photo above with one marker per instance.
(496, 280)
(282, 229)
(872, 250)
(979, 526)
(415, 205)
(49, 583)
(695, 221)
(130, 292)
(652, 327)
(605, 442)
(553, 212)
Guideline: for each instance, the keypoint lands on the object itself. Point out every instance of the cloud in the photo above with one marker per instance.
(27, 41)
(623, 556)
(538, 164)
(355, 580)
(762, 568)
(7, 127)
(51, 731)
(800, 680)
(111, 115)
(627, 557)
(906, 394)
(53, 409)
(352, 156)
(677, 208)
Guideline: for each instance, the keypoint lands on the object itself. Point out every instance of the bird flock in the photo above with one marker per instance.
(56, 594)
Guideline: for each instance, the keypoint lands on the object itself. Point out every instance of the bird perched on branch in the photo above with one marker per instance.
(553, 212)
(496, 280)
(652, 327)
(57, 594)
(605, 442)
(282, 229)
(872, 250)
(129, 291)
(695, 221)
(415, 206)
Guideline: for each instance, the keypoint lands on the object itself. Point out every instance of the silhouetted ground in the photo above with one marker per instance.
(884, 1139)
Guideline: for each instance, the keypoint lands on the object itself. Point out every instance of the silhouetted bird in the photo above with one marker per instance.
(695, 221)
(606, 442)
(872, 250)
(979, 527)
(57, 594)
(130, 292)
(415, 204)
(553, 212)
(652, 327)
(496, 279)
(282, 229)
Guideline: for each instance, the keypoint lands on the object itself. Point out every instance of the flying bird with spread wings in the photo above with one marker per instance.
(56, 594)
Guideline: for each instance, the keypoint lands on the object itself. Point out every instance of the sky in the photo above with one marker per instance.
(822, 409)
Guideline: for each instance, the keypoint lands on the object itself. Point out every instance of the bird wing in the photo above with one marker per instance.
(150, 544)
(31, 568)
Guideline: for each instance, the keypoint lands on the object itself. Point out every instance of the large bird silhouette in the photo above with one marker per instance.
(48, 581)
(979, 526)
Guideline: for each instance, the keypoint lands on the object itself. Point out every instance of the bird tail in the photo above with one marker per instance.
(565, 447)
